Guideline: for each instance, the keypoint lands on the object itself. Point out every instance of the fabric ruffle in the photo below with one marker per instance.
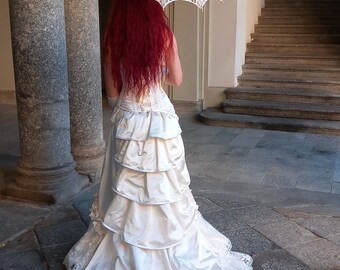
(202, 248)
(142, 125)
(152, 155)
(151, 226)
(145, 216)
(152, 187)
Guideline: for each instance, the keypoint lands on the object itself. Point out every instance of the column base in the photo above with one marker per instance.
(40, 187)
(89, 161)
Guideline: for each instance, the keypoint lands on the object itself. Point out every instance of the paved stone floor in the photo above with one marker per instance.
(274, 194)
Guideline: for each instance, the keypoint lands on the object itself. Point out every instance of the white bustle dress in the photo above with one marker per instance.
(145, 217)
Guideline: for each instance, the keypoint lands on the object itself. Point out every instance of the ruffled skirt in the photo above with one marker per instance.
(145, 217)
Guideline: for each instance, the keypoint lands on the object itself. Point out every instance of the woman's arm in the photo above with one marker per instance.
(111, 90)
(173, 64)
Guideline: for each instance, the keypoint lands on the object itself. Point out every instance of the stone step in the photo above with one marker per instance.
(297, 20)
(296, 60)
(313, 96)
(311, 11)
(295, 38)
(291, 76)
(297, 29)
(302, 4)
(214, 116)
(295, 49)
(272, 70)
(299, 1)
(282, 109)
(288, 82)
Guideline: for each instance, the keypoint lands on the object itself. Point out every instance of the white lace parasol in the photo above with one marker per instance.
(199, 3)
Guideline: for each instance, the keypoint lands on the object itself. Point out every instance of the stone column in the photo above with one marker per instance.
(84, 68)
(46, 170)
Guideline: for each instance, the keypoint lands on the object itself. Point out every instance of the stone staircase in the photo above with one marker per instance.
(291, 75)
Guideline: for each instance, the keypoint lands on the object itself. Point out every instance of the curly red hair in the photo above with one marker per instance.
(136, 39)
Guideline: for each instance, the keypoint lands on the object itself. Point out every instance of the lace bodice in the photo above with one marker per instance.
(155, 100)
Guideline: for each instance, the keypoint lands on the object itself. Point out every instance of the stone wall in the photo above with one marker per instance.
(7, 86)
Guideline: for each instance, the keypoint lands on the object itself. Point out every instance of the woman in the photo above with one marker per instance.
(145, 216)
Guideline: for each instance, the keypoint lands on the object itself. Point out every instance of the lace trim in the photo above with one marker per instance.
(95, 217)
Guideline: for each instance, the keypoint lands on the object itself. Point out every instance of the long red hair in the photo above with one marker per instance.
(137, 36)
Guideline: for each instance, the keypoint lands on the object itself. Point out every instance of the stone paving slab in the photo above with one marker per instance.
(320, 254)
(295, 154)
(298, 200)
(337, 170)
(277, 180)
(277, 260)
(30, 259)
(256, 215)
(243, 238)
(297, 237)
(201, 135)
(216, 170)
(189, 149)
(286, 233)
(67, 232)
(241, 218)
(318, 165)
(60, 214)
(314, 182)
(285, 164)
(335, 239)
(84, 201)
(227, 205)
(204, 152)
(207, 206)
(55, 255)
(16, 217)
(322, 226)
(336, 188)
(223, 136)
(233, 154)
(248, 138)
(25, 242)
(197, 168)
(273, 145)
(189, 124)
(250, 164)
(223, 222)
(246, 175)
(318, 224)
(249, 241)
(295, 215)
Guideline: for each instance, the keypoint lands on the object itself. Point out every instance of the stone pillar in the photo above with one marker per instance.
(46, 170)
(84, 68)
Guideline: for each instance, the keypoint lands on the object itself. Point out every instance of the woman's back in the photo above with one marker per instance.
(139, 41)
(154, 99)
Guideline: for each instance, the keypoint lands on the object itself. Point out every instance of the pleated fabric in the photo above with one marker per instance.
(145, 216)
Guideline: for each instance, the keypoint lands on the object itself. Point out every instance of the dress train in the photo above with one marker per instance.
(145, 216)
